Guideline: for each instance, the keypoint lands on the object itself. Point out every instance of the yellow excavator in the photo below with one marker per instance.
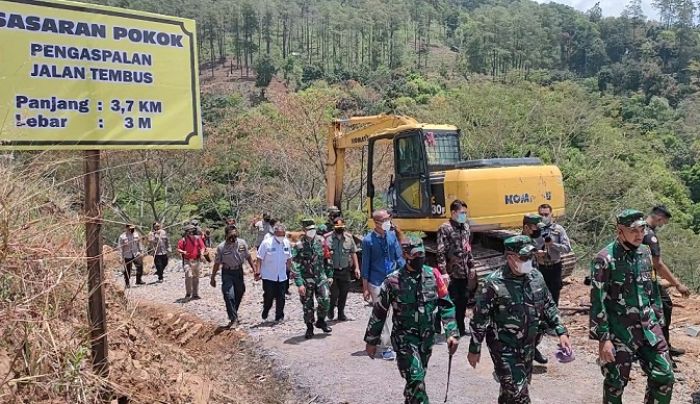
(416, 170)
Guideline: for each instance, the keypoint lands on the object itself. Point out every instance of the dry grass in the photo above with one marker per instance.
(44, 337)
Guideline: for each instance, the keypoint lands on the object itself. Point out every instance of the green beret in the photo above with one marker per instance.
(631, 218)
(521, 245)
(308, 224)
(413, 244)
(532, 218)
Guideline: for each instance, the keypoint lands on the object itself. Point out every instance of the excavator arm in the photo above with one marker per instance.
(353, 133)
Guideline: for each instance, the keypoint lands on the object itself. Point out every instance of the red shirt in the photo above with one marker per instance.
(192, 246)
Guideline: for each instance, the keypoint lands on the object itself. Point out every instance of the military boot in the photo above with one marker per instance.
(539, 358)
(309, 331)
(322, 325)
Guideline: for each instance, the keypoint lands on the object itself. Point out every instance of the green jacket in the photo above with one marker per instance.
(513, 310)
(309, 261)
(415, 298)
(621, 296)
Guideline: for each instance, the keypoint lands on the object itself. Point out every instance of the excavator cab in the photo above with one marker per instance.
(416, 170)
(417, 154)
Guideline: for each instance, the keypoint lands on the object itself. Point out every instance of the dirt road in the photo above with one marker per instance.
(334, 369)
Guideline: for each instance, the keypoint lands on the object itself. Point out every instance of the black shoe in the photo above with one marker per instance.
(160, 280)
(331, 314)
(288, 293)
(676, 351)
(196, 297)
(341, 317)
(265, 313)
(323, 326)
(279, 319)
(140, 282)
(539, 358)
(309, 331)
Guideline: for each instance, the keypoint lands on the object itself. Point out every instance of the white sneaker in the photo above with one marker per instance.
(388, 355)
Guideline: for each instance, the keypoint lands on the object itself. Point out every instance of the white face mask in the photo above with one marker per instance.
(386, 226)
(547, 220)
(311, 233)
(525, 267)
(280, 238)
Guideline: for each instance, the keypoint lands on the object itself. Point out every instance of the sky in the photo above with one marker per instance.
(610, 7)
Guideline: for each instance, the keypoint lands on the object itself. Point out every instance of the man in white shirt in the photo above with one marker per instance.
(274, 260)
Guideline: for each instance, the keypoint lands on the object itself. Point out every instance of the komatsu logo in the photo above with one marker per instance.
(513, 199)
(518, 198)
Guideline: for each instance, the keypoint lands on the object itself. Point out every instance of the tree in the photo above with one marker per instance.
(249, 28)
(265, 70)
(595, 13)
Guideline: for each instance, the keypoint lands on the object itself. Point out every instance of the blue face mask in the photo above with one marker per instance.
(462, 218)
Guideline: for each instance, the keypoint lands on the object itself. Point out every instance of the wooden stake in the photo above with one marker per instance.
(93, 248)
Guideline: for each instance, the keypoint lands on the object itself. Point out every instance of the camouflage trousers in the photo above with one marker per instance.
(656, 364)
(321, 291)
(513, 368)
(412, 354)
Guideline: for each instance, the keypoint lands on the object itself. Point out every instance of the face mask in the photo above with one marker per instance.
(547, 220)
(311, 233)
(462, 218)
(386, 226)
(417, 263)
(525, 267)
(340, 231)
(132, 230)
(232, 237)
(536, 233)
(280, 238)
(627, 244)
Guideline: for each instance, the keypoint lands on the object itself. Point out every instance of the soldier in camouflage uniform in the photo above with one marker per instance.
(415, 293)
(313, 276)
(455, 260)
(622, 316)
(511, 308)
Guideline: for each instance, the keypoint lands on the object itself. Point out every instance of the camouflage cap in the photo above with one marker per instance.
(333, 209)
(308, 224)
(521, 245)
(412, 245)
(631, 218)
(532, 218)
(188, 227)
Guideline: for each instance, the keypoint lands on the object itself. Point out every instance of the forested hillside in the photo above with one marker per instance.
(612, 101)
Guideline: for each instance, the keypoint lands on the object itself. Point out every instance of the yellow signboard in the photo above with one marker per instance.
(80, 76)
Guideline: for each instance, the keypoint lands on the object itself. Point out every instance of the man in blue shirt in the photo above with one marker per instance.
(381, 255)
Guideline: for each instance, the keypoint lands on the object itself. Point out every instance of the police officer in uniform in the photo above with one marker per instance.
(230, 256)
(512, 307)
(313, 276)
(416, 294)
(622, 317)
(551, 245)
